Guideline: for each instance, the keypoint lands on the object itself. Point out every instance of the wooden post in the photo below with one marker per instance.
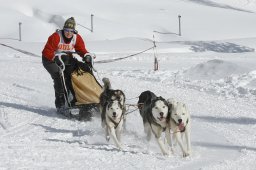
(90, 29)
(155, 64)
(20, 31)
(179, 26)
(155, 58)
(92, 22)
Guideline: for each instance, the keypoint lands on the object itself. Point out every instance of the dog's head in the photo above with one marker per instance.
(119, 96)
(159, 108)
(112, 95)
(178, 112)
(145, 98)
(114, 110)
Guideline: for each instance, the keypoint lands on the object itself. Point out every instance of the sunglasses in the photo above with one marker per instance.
(69, 30)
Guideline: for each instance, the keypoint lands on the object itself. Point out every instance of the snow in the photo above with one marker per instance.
(211, 68)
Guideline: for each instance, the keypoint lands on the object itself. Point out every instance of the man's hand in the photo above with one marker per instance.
(57, 61)
(88, 58)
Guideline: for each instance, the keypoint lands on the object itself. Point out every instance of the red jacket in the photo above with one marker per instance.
(52, 46)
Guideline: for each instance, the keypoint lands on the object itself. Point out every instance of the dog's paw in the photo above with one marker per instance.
(120, 146)
(107, 138)
(171, 150)
(185, 154)
(166, 153)
(189, 152)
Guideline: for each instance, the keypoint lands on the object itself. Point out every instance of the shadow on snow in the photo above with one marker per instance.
(239, 120)
(221, 146)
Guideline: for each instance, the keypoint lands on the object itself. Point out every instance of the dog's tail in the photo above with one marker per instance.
(107, 84)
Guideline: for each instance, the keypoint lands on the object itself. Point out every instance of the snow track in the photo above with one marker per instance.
(33, 136)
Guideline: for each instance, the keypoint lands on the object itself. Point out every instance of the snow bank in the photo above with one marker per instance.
(213, 70)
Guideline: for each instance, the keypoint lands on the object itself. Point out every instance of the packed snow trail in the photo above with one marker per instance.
(36, 137)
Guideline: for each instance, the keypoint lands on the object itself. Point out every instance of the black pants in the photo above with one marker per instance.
(54, 71)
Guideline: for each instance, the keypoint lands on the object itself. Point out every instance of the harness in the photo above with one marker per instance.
(122, 107)
(133, 105)
(158, 126)
(153, 120)
(116, 123)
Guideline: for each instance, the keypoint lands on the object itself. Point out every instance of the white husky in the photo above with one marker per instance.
(180, 125)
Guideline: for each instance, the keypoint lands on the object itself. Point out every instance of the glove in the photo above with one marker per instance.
(57, 61)
(88, 58)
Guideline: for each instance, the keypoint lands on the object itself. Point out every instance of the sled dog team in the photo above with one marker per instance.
(159, 116)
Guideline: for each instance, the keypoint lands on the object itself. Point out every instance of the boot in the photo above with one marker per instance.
(64, 111)
(59, 100)
(60, 105)
(85, 114)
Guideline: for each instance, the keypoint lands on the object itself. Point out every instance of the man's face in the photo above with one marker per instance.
(68, 33)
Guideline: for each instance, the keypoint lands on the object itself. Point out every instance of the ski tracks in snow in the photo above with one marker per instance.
(215, 120)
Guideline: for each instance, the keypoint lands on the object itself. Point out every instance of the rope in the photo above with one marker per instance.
(165, 32)
(100, 62)
(129, 105)
(131, 111)
(133, 105)
(99, 78)
(22, 51)
(121, 58)
(132, 98)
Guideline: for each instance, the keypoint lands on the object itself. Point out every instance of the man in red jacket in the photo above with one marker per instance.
(65, 40)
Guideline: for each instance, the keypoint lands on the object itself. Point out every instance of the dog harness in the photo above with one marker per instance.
(116, 123)
(123, 110)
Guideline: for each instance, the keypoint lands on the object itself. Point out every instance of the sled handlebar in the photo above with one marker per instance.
(62, 67)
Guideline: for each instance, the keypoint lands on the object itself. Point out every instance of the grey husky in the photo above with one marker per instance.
(112, 108)
(155, 115)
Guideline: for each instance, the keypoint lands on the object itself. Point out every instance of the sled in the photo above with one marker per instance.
(84, 101)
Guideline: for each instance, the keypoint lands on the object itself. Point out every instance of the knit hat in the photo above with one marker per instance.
(70, 24)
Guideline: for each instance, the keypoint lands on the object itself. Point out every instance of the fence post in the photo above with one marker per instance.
(179, 26)
(155, 64)
(92, 22)
(20, 31)
(90, 29)
(155, 58)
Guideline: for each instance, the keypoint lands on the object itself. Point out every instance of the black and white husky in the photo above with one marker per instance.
(180, 125)
(112, 108)
(155, 115)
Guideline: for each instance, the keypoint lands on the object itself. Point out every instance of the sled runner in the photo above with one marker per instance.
(83, 95)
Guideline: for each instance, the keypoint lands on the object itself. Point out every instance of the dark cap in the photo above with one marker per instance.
(70, 23)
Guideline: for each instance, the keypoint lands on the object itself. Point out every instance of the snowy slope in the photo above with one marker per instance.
(114, 19)
(211, 68)
(34, 137)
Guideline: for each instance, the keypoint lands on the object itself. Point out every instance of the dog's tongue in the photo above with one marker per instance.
(181, 126)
